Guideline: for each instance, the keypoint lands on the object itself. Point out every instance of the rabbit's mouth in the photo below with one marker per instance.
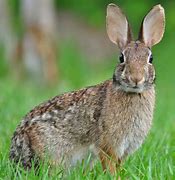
(133, 89)
(125, 85)
(129, 88)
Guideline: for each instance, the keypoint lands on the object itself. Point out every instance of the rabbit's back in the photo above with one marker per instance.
(75, 113)
(60, 125)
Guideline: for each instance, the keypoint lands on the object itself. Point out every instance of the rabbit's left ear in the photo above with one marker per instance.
(153, 25)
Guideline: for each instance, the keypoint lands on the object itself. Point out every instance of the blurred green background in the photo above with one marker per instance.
(77, 69)
(92, 15)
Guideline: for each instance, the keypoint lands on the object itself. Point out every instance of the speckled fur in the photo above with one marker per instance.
(110, 119)
(84, 118)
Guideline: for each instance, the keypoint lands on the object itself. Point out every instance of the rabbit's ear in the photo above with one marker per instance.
(117, 26)
(153, 26)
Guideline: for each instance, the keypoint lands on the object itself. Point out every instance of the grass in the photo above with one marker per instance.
(154, 160)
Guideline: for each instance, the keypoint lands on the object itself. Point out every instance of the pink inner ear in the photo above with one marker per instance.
(117, 26)
(153, 26)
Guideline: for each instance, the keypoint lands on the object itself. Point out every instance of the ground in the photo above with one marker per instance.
(154, 160)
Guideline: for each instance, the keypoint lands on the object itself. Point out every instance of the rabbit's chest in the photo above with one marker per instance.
(133, 136)
(129, 120)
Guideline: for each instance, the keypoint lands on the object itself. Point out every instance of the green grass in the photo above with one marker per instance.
(154, 160)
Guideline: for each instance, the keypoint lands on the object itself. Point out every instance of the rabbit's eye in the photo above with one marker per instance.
(121, 58)
(151, 59)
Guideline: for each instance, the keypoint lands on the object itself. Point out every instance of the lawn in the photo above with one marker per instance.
(154, 160)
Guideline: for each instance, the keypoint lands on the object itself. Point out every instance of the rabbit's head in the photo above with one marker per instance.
(135, 72)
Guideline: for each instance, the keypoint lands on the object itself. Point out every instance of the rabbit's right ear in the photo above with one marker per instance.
(117, 26)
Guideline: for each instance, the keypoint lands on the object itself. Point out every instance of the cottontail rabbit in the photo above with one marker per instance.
(113, 118)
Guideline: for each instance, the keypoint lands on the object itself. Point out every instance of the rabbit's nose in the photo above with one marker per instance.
(137, 79)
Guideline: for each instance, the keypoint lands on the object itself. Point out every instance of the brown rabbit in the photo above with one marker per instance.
(111, 119)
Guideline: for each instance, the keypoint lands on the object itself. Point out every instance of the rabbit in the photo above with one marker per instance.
(110, 120)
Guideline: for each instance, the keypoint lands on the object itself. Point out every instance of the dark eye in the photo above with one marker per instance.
(121, 58)
(151, 59)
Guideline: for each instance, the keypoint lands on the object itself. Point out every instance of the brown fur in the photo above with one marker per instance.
(108, 157)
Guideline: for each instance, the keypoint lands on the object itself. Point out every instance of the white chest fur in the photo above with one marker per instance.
(133, 137)
(130, 118)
